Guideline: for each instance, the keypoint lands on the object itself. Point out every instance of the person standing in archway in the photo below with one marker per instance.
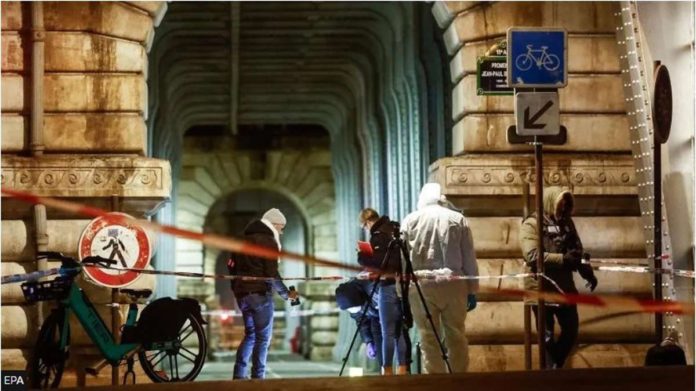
(255, 298)
(439, 240)
(390, 307)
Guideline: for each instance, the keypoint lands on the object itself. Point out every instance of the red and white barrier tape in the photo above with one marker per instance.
(216, 241)
(236, 245)
(606, 301)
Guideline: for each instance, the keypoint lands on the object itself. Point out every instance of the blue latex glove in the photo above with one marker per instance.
(371, 351)
(470, 302)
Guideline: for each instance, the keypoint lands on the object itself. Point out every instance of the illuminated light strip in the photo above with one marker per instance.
(649, 270)
(216, 241)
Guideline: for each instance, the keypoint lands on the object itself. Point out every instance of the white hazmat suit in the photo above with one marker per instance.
(439, 238)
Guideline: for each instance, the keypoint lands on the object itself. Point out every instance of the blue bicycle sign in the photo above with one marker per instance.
(537, 57)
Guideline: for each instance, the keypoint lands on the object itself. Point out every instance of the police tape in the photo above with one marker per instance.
(212, 240)
(15, 278)
(236, 245)
(627, 303)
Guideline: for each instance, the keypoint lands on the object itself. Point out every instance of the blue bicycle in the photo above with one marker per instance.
(168, 338)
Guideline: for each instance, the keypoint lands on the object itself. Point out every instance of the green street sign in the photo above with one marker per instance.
(491, 76)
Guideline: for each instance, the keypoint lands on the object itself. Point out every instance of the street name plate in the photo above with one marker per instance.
(491, 76)
(537, 113)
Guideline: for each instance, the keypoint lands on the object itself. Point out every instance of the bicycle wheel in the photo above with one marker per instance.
(48, 359)
(551, 62)
(182, 360)
(523, 62)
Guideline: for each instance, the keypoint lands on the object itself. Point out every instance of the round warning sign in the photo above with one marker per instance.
(113, 238)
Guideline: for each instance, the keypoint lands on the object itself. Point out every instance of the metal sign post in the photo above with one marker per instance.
(537, 58)
(539, 190)
(662, 123)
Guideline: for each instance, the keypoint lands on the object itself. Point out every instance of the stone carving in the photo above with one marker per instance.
(69, 178)
(93, 177)
(502, 176)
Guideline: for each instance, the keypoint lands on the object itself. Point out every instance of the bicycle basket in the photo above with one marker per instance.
(56, 289)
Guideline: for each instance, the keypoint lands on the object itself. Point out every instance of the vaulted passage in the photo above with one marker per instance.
(330, 105)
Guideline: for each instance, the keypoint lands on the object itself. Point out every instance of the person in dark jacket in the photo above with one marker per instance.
(353, 296)
(563, 253)
(255, 298)
(390, 304)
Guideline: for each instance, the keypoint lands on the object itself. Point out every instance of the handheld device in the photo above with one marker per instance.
(296, 301)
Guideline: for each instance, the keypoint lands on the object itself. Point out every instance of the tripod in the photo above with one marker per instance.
(397, 244)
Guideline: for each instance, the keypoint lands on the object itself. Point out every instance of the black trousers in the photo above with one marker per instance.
(557, 350)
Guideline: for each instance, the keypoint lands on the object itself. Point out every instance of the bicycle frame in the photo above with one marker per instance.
(94, 325)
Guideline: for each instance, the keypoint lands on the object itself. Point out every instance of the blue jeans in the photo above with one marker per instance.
(390, 316)
(257, 312)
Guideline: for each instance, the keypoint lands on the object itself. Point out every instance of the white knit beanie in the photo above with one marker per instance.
(274, 216)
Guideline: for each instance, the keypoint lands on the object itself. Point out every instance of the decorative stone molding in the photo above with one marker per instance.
(507, 174)
(88, 176)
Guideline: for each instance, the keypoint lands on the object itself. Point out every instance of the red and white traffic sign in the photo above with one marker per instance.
(113, 238)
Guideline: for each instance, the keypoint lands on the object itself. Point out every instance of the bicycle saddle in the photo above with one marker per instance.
(137, 293)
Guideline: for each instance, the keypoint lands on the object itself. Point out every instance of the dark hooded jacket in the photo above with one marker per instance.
(259, 234)
(381, 234)
(559, 239)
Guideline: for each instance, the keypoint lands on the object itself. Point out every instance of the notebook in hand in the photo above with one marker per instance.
(365, 248)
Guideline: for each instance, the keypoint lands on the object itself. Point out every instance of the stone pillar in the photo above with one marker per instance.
(486, 176)
(93, 139)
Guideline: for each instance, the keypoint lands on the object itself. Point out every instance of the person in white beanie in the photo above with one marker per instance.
(275, 220)
(255, 298)
(439, 240)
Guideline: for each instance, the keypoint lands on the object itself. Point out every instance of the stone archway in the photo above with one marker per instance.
(304, 177)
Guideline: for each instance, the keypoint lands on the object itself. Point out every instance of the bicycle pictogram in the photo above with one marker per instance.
(540, 57)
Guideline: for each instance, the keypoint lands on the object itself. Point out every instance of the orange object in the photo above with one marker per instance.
(365, 248)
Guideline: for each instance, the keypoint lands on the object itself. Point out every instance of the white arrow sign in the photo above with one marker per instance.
(537, 113)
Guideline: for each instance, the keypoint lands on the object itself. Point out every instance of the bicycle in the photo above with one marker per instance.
(166, 328)
(550, 62)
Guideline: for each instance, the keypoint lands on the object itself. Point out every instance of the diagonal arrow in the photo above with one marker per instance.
(529, 123)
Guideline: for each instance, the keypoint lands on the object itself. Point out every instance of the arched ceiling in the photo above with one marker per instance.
(352, 68)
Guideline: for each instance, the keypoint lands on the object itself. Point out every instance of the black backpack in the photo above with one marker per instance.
(665, 354)
(161, 321)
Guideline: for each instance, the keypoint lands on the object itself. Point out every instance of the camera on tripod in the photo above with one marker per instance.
(397, 228)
